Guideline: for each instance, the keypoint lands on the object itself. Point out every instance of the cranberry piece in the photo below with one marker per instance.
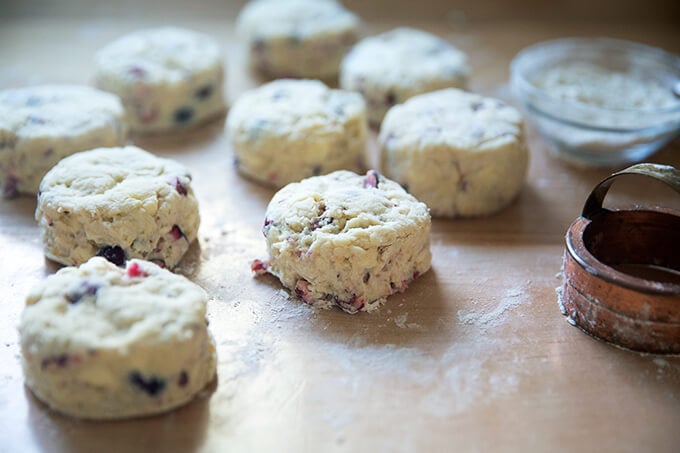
(134, 270)
(137, 72)
(152, 385)
(159, 262)
(179, 187)
(176, 232)
(114, 253)
(259, 267)
(86, 289)
(183, 379)
(372, 179)
(302, 291)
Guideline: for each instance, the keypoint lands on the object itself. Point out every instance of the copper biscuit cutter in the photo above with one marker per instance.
(622, 270)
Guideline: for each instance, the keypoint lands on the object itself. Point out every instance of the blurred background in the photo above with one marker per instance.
(661, 11)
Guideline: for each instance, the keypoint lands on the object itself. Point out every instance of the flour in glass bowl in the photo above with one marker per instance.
(590, 84)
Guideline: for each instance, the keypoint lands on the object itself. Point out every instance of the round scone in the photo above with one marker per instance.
(40, 125)
(346, 240)
(104, 342)
(167, 77)
(119, 203)
(288, 130)
(389, 68)
(297, 38)
(460, 153)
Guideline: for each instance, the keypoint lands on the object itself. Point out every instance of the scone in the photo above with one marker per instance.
(297, 38)
(460, 153)
(119, 203)
(346, 240)
(103, 342)
(40, 125)
(168, 78)
(388, 69)
(288, 130)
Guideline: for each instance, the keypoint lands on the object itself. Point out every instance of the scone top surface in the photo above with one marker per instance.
(271, 19)
(455, 118)
(294, 108)
(101, 306)
(404, 58)
(461, 153)
(115, 178)
(58, 110)
(167, 54)
(342, 209)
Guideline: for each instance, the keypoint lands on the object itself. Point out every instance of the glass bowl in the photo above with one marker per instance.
(599, 101)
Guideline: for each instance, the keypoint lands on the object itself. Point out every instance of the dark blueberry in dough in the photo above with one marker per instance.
(183, 379)
(86, 289)
(204, 92)
(184, 114)
(279, 94)
(32, 101)
(390, 98)
(114, 253)
(60, 361)
(152, 385)
(258, 45)
(316, 171)
(476, 106)
(294, 40)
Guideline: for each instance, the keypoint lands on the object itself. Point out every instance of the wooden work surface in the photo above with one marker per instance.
(475, 356)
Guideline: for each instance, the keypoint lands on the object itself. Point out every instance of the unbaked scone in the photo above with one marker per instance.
(119, 203)
(460, 153)
(346, 240)
(297, 38)
(168, 78)
(389, 68)
(288, 130)
(104, 342)
(42, 124)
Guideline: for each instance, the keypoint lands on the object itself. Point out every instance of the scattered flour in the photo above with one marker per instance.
(512, 298)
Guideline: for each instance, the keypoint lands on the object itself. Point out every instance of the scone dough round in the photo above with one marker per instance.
(41, 125)
(120, 203)
(288, 130)
(297, 38)
(168, 78)
(461, 153)
(103, 342)
(346, 240)
(389, 68)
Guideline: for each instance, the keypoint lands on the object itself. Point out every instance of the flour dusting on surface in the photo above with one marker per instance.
(512, 298)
